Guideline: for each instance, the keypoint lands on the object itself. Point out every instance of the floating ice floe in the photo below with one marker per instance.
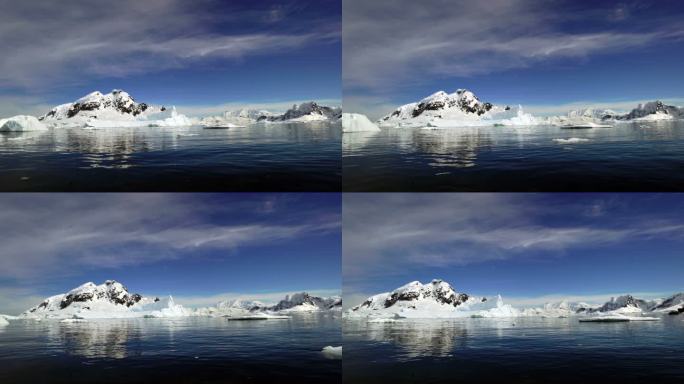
(571, 140)
(331, 352)
(615, 318)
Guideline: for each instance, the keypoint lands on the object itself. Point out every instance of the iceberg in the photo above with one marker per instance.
(21, 123)
(354, 122)
(331, 352)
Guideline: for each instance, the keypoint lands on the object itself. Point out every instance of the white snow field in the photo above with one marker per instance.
(438, 300)
(354, 122)
(21, 123)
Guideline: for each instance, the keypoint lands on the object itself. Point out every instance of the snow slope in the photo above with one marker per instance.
(459, 109)
(354, 122)
(114, 109)
(21, 123)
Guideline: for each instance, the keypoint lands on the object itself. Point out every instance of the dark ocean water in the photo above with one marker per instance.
(514, 351)
(277, 157)
(631, 157)
(190, 350)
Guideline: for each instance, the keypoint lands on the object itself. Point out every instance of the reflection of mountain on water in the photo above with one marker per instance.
(417, 338)
(455, 148)
(96, 339)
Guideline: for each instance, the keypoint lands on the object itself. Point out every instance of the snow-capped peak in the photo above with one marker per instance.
(96, 104)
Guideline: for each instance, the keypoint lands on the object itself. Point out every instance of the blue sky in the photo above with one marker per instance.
(530, 248)
(200, 55)
(200, 248)
(546, 55)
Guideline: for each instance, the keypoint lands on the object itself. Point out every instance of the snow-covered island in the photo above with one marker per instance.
(308, 112)
(438, 299)
(112, 300)
(464, 109)
(114, 109)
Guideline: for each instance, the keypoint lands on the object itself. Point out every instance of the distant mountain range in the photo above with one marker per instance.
(113, 300)
(302, 113)
(464, 108)
(438, 299)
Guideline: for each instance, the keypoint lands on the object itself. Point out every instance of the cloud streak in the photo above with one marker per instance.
(389, 234)
(50, 235)
(388, 45)
(60, 42)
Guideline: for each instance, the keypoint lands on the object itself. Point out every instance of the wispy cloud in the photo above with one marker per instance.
(53, 234)
(388, 44)
(64, 42)
(388, 234)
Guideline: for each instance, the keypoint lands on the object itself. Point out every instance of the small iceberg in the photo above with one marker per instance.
(73, 321)
(587, 125)
(616, 319)
(21, 123)
(572, 140)
(354, 122)
(331, 352)
(3, 322)
(260, 316)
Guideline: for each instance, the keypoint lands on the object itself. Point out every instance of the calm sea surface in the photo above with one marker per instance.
(278, 157)
(189, 350)
(514, 351)
(634, 156)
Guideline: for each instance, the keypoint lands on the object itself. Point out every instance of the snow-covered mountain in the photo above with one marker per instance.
(306, 112)
(108, 300)
(298, 302)
(436, 299)
(304, 302)
(240, 117)
(653, 111)
(114, 109)
(461, 108)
